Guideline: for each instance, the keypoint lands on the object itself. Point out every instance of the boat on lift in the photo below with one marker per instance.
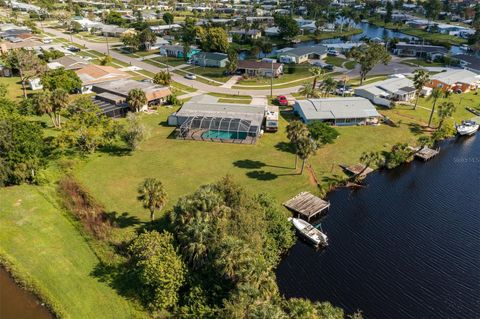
(312, 234)
(467, 127)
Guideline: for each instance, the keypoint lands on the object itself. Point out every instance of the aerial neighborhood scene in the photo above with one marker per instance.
(240, 159)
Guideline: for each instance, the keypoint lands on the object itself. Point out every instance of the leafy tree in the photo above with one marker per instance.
(131, 40)
(147, 38)
(445, 131)
(22, 149)
(420, 79)
(86, 129)
(388, 15)
(368, 56)
(232, 62)
(399, 154)
(26, 63)
(306, 147)
(322, 132)
(446, 109)
(300, 309)
(288, 27)
(160, 269)
(368, 159)
(3, 90)
(134, 132)
(327, 310)
(432, 8)
(107, 59)
(75, 27)
(162, 78)
(188, 32)
(114, 17)
(66, 80)
(212, 39)
(49, 55)
(168, 18)
(436, 94)
(296, 130)
(136, 99)
(316, 72)
(153, 196)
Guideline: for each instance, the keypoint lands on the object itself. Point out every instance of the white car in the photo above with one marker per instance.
(191, 76)
(342, 91)
(47, 40)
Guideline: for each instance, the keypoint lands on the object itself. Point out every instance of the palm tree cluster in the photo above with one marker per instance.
(53, 104)
(136, 99)
(302, 142)
(153, 196)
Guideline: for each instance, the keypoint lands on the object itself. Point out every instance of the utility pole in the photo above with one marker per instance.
(271, 82)
(106, 34)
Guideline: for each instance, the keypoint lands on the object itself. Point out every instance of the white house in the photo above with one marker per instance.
(384, 92)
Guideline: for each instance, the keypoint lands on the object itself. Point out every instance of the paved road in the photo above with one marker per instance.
(102, 48)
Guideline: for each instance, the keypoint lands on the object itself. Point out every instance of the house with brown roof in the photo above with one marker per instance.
(68, 62)
(259, 68)
(96, 74)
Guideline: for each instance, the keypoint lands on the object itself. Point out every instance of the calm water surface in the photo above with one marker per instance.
(407, 246)
(16, 303)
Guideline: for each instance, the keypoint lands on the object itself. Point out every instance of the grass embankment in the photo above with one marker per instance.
(46, 248)
(329, 35)
(14, 87)
(434, 38)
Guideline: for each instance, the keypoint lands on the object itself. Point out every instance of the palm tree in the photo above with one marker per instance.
(136, 99)
(328, 85)
(296, 130)
(446, 109)
(436, 93)
(162, 78)
(60, 101)
(306, 147)
(420, 78)
(43, 105)
(309, 91)
(152, 195)
(316, 72)
(368, 159)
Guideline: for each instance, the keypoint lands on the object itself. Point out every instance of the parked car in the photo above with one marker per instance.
(282, 100)
(47, 40)
(328, 67)
(344, 91)
(332, 52)
(191, 76)
(73, 49)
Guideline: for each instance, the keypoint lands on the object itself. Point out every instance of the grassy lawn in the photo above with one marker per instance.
(169, 60)
(235, 101)
(291, 72)
(350, 65)
(44, 243)
(421, 62)
(230, 96)
(335, 60)
(184, 165)
(329, 35)
(368, 80)
(217, 74)
(14, 87)
(182, 87)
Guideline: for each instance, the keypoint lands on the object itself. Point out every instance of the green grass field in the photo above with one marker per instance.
(14, 87)
(38, 237)
(421, 62)
(335, 60)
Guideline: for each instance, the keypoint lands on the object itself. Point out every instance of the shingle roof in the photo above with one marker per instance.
(211, 56)
(92, 74)
(337, 108)
(456, 76)
(317, 49)
(123, 86)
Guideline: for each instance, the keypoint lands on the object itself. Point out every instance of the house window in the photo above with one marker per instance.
(440, 85)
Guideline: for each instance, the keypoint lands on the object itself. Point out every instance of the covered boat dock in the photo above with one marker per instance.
(307, 205)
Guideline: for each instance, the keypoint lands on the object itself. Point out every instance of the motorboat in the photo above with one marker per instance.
(467, 127)
(312, 234)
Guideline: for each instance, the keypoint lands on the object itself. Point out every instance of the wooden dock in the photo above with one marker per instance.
(307, 205)
(426, 153)
(357, 169)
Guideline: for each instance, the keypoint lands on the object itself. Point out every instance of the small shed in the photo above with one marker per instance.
(307, 205)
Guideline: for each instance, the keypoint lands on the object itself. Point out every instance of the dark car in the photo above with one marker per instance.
(73, 49)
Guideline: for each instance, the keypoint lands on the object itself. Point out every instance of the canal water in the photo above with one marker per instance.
(16, 303)
(406, 246)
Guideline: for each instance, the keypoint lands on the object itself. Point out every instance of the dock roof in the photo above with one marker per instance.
(307, 204)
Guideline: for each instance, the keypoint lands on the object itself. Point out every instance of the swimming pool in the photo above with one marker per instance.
(226, 135)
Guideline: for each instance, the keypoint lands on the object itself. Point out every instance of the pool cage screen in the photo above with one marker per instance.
(217, 127)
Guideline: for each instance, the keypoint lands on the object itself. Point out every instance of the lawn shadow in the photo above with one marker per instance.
(416, 128)
(284, 147)
(249, 164)
(115, 150)
(262, 175)
(159, 224)
(118, 277)
(123, 220)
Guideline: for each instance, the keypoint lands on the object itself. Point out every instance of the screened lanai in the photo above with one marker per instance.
(207, 120)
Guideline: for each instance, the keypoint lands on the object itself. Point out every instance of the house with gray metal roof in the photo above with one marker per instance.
(337, 111)
(302, 54)
(384, 92)
(210, 59)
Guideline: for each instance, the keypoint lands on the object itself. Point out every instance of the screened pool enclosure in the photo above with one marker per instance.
(218, 128)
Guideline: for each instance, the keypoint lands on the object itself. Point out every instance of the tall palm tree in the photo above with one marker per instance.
(60, 101)
(316, 72)
(446, 109)
(306, 147)
(328, 85)
(420, 78)
(436, 94)
(152, 194)
(368, 159)
(43, 105)
(296, 130)
(309, 91)
(136, 99)
(162, 78)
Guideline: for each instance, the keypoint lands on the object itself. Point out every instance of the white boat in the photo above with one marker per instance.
(467, 128)
(311, 233)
